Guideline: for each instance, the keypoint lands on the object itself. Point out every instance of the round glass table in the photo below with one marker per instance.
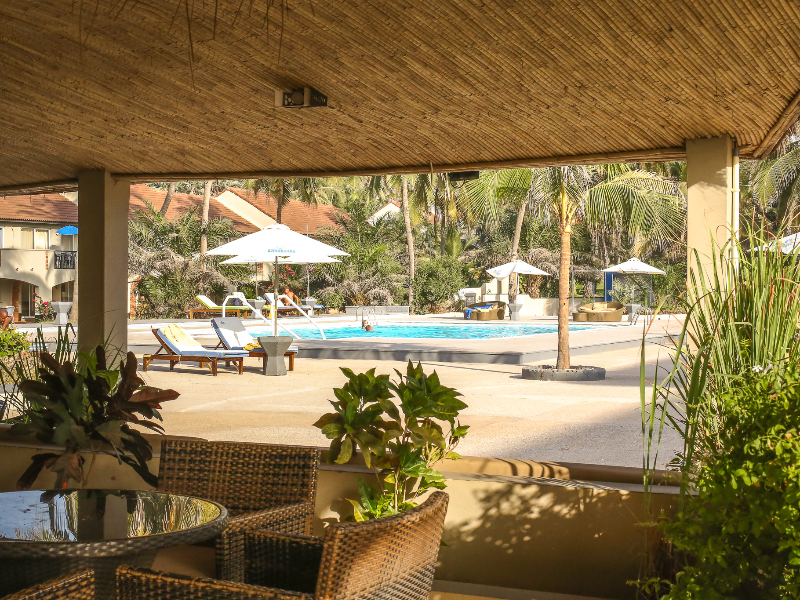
(45, 534)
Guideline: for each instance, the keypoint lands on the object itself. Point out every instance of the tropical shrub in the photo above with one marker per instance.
(13, 342)
(401, 444)
(163, 255)
(372, 273)
(437, 282)
(742, 528)
(44, 309)
(88, 411)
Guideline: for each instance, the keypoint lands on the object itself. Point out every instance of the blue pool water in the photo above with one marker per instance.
(463, 331)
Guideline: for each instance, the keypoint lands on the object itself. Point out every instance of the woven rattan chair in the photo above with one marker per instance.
(145, 584)
(78, 585)
(262, 486)
(386, 559)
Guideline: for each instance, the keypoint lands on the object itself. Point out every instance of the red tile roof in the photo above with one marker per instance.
(41, 208)
(295, 214)
(180, 203)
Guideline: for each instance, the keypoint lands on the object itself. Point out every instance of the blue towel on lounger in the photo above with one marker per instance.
(468, 311)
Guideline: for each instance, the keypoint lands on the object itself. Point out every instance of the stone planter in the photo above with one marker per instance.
(576, 373)
(514, 310)
(275, 347)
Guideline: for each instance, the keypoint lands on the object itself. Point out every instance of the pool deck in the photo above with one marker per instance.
(510, 351)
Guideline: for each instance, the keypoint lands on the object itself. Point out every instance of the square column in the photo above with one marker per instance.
(103, 260)
(712, 179)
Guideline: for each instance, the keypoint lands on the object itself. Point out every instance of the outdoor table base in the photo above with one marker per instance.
(275, 347)
(46, 534)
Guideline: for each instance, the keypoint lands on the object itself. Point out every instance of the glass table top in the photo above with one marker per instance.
(98, 515)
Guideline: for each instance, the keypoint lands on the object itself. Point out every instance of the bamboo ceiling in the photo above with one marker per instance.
(159, 89)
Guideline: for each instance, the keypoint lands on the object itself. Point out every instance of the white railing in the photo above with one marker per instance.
(240, 296)
(303, 313)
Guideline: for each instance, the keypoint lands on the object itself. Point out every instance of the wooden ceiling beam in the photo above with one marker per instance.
(653, 155)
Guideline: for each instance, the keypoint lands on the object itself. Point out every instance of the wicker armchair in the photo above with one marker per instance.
(388, 559)
(262, 486)
(78, 585)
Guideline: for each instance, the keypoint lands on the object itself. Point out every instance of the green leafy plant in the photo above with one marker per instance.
(13, 342)
(742, 528)
(400, 439)
(88, 411)
(742, 313)
(437, 282)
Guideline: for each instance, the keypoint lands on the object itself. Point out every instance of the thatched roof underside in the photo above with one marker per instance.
(117, 83)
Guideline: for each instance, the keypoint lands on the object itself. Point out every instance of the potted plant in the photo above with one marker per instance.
(400, 443)
(88, 411)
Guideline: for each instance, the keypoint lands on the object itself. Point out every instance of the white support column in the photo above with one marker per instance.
(713, 195)
(103, 260)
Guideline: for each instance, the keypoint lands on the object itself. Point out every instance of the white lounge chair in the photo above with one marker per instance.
(285, 308)
(233, 336)
(178, 346)
(209, 307)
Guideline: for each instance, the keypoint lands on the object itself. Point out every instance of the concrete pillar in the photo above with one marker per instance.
(712, 179)
(103, 260)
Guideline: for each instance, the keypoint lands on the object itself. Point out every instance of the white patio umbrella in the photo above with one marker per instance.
(634, 267)
(515, 266)
(276, 242)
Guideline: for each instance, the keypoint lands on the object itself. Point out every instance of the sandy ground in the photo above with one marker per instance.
(510, 417)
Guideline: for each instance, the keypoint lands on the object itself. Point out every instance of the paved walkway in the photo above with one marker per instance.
(596, 422)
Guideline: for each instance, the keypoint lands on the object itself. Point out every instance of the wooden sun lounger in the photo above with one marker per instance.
(209, 361)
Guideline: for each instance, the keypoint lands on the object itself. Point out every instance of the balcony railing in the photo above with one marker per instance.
(65, 259)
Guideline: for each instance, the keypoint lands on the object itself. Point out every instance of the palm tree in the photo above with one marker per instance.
(487, 195)
(204, 222)
(168, 198)
(310, 190)
(775, 183)
(650, 205)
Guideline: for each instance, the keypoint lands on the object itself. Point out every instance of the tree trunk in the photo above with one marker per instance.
(443, 232)
(513, 287)
(204, 223)
(279, 209)
(168, 198)
(410, 240)
(73, 311)
(562, 361)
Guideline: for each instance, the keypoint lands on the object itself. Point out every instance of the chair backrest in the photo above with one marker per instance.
(240, 476)
(232, 333)
(206, 301)
(392, 558)
(77, 585)
(269, 297)
(177, 340)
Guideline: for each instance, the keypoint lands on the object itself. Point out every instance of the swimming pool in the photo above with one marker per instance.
(455, 331)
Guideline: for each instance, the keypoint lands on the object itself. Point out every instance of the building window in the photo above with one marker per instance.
(31, 239)
(26, 238)
(68, 242)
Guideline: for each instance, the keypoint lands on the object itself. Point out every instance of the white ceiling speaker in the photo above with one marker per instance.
(300, 98)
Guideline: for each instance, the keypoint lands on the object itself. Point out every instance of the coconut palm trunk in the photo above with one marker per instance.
(565, 227)
(410, 240)
(168, 198)
(204, 225)
(513, 288)
(279, 208)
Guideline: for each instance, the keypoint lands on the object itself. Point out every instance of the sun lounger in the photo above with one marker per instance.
(209, 308)
(599, 312)
(233, 336)
(179, 346)
(282, 308)
(492, 310)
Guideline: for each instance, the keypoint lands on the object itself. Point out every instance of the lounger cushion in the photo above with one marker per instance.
(184, 344)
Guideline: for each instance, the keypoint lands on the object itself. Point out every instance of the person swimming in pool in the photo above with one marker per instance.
(366, 326)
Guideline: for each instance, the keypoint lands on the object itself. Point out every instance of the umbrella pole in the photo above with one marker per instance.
(275, 296)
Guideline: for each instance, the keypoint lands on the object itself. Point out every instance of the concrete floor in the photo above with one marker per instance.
(510, 417)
